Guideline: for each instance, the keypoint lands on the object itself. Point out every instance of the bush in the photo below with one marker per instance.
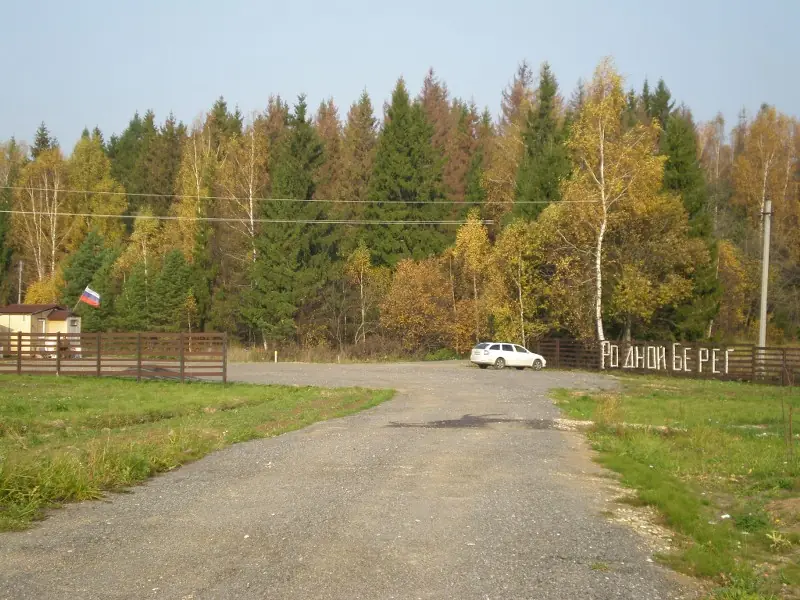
(442, 354)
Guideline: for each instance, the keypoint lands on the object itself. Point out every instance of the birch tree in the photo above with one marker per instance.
(472, 247)
(370, 282)
(244, 179)
(612, 166)
(40, 227)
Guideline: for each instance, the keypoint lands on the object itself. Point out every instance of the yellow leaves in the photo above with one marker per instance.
(472, 244)
(97, 193)
(763, 167)
(417, 308)
(737, 277)
(358, 264)
(45, 291)
(145, 242)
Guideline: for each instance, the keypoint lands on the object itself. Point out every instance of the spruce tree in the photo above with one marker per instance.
(43, 141)
(683, 175)
(223, 124)
(292, 257)
(475, 192)
(105, 283)
(125, 151)
(660, 104)
(133, 310)
(329, 130)
(169, 293)
(81, 266)
(544, 162)
(406, 185)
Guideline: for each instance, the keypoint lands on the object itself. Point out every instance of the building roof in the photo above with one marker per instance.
(28, 309)
(60, 315)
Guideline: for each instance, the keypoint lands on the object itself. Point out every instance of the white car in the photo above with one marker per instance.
(503, 354)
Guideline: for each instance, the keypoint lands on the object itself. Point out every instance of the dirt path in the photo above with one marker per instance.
(456, 488)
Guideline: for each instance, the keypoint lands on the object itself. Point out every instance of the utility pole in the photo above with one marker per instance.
(19, 283)
(762, 319)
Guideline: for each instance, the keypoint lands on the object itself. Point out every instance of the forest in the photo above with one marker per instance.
(602, 212)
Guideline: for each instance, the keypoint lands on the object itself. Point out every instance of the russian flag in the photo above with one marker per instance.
(91, 297)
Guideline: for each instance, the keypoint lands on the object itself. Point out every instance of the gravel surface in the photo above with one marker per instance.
(457, 488)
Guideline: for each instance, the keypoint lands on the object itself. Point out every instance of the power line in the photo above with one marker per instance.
(317, 200)
(233, 220)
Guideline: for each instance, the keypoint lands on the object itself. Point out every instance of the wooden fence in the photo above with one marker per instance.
(740, 362)
(139, 355)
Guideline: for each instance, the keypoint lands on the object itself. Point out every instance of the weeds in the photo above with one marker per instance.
(722, 475)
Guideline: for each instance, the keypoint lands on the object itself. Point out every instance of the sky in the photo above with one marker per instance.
(95, 62)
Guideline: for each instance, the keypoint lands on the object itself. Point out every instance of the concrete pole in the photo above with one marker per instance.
(762, 319)
(19, 284)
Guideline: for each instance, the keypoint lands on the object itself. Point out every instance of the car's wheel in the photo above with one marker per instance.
(500, 363)
(520, 368)
(537, 364)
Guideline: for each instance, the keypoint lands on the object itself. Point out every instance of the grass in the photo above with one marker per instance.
(69, 439)
(722, 474)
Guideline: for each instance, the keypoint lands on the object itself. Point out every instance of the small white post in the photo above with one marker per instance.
(276, 356)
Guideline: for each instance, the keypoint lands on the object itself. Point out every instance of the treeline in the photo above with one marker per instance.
(610, 213)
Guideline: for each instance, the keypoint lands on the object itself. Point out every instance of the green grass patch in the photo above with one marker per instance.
(69, 439)
(723, 475)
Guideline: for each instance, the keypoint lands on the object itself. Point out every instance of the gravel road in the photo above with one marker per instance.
(457, 488)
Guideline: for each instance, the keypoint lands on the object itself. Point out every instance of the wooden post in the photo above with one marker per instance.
(784, 370)
(19, 353)
(224, 358)
(58, 353)
(97, 364)
(753, 365)
(558, 353)
(139, 356)
(182, 358)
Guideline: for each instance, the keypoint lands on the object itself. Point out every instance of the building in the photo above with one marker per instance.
(38, 319)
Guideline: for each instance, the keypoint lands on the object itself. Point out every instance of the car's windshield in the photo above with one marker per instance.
(481, 346)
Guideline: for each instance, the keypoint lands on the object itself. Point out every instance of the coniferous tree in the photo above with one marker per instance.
(223, 124)
(80, 267)
(329, 130)
(405, 186)
(124, 151)
(133, 309)
(475, 192)
(683, 176)
(660, 104)
(544, 162)
(43, 141)
(169, 292)
(106, 284)
(291, 256)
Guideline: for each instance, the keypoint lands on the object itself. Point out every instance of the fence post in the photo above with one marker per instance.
(558, 353)
(224, 358)
(182, 358)
(753, 365)
(784, 370)
(58, 353)
(19, 353)
(97, 363)
(138, 356)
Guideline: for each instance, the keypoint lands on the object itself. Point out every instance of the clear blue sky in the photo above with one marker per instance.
(95, 62)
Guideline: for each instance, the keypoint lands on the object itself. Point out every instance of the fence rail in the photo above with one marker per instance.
(141, 355)
(741, 362)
